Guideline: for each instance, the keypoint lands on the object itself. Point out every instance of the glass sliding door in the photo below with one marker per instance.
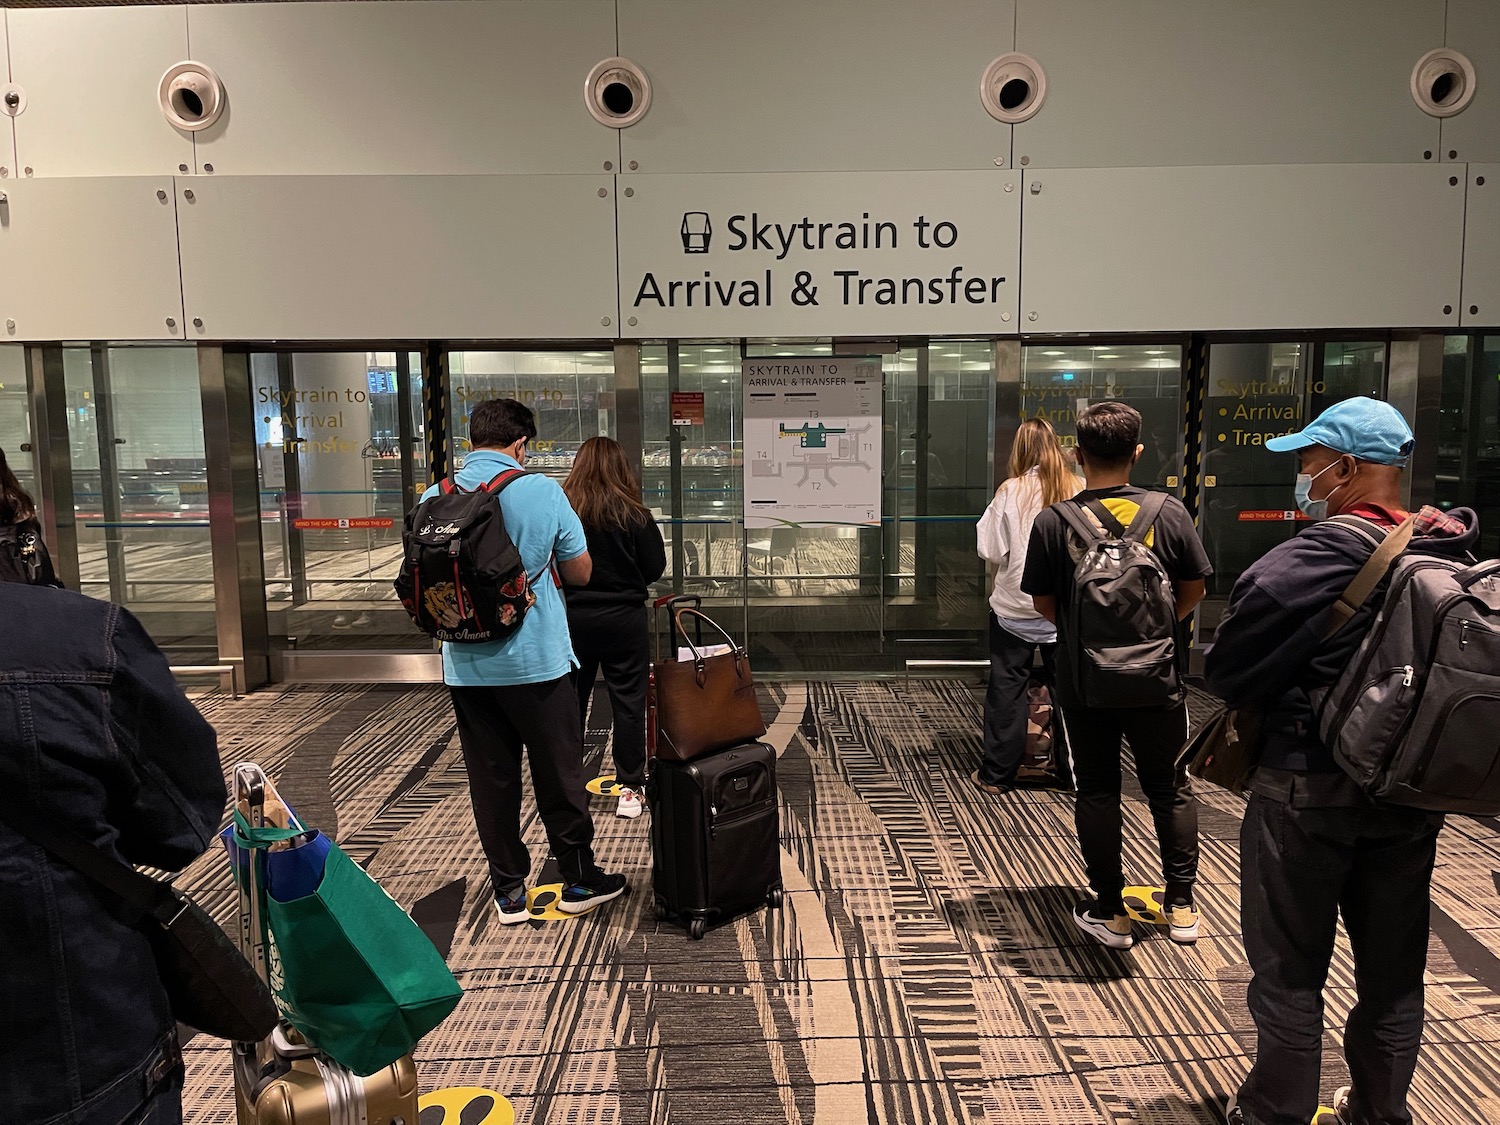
(140, 490)
(572, 393)
(691, 474)
(1059, 380)
(1255, 392)
(343, 456)
(1468, 468)
(15, 417)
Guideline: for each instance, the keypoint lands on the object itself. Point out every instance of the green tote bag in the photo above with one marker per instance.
(349, 968)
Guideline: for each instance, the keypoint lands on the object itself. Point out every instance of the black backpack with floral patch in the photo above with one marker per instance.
(462, 579)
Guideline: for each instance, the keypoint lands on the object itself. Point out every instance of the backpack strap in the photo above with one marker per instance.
(502, 481)
(495, 484)
(1147, 511)
(1369, 576)
(1368, 530)
(1107, 519)
(1076, 517)
(446, 486)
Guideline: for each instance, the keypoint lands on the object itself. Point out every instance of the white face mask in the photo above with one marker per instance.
(1315, 510)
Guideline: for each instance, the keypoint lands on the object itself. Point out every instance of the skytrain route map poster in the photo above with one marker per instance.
(812, 441)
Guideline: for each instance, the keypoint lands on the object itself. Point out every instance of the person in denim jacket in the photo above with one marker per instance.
(95, 733)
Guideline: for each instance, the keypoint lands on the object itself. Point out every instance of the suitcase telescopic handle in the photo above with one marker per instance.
(693, 600)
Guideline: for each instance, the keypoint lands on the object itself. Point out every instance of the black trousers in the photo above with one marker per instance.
(617, 640)
(1156, 736)
(494, 723)
(1299, 869)
(1005, 703)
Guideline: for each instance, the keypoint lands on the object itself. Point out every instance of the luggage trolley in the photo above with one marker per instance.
(284, 1080)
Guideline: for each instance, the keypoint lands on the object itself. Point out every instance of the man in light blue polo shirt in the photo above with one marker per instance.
(519, 691)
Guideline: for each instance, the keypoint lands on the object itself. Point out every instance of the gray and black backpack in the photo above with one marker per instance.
(1415, 717)
(1122, 611)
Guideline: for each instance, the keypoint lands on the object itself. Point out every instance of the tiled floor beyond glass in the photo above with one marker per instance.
(924, 969)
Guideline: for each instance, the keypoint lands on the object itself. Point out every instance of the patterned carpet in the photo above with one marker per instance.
(924, 968)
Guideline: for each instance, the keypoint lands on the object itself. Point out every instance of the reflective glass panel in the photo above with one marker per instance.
(572, 393)
(1255, 392)
(15, 416)
(692, 477)
(140, 489)
(339, 468)
(1058, 380)
(1468, 469)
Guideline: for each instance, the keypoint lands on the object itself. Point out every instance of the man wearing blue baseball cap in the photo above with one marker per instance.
(1312, 845)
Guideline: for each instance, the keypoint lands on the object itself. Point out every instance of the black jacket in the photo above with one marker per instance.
(626, 562)
(1269, 648)
(96, 733)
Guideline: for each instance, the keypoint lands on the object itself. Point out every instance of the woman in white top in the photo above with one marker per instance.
(1039, 477)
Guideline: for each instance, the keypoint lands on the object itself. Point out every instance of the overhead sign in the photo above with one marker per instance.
(820, 253)
(812, 441)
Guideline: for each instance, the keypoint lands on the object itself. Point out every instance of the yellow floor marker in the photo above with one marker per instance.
(541, 903)
(605, 786)
(1146, 904)
(467, 1104)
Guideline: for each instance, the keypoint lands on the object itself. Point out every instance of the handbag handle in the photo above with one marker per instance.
(698, 656)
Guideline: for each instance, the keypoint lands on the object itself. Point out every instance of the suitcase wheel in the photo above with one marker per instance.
(697, 928)
(775, 898)
(662, 913)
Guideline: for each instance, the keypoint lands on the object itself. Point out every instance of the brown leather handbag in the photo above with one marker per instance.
(704, 704)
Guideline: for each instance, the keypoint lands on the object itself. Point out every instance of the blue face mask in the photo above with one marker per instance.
(1315, 510)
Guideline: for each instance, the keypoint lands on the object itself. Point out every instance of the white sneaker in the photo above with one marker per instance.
(630, 805)
(1342, 1113)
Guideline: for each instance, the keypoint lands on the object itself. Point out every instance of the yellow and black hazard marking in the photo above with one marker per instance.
(1146, 904)
(605, 786)
(465, 1105)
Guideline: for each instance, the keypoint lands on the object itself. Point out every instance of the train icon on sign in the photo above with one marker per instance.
(697, 232)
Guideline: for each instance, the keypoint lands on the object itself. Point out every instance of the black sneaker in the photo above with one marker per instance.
(1111, 930)
(593, 890)
(511, 906)
(1233, 1114)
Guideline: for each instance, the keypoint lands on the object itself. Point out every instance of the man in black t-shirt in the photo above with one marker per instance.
(1108, 446)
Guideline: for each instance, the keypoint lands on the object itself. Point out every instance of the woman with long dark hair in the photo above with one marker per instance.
(608, 616)
(23, 555)
(1038, 478)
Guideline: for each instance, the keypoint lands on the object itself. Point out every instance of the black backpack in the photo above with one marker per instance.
(23, 555)
(1122, 611)
(461, 576)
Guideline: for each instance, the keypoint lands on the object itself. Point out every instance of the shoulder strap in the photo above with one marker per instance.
(1145, 517)
(446, 486)
(1107, 519)
(1074, 516)
(1367, 530)
(143, 894)
(1369, 575)
(502, 481)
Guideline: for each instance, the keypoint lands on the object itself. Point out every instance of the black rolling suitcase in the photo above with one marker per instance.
(715, 835)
